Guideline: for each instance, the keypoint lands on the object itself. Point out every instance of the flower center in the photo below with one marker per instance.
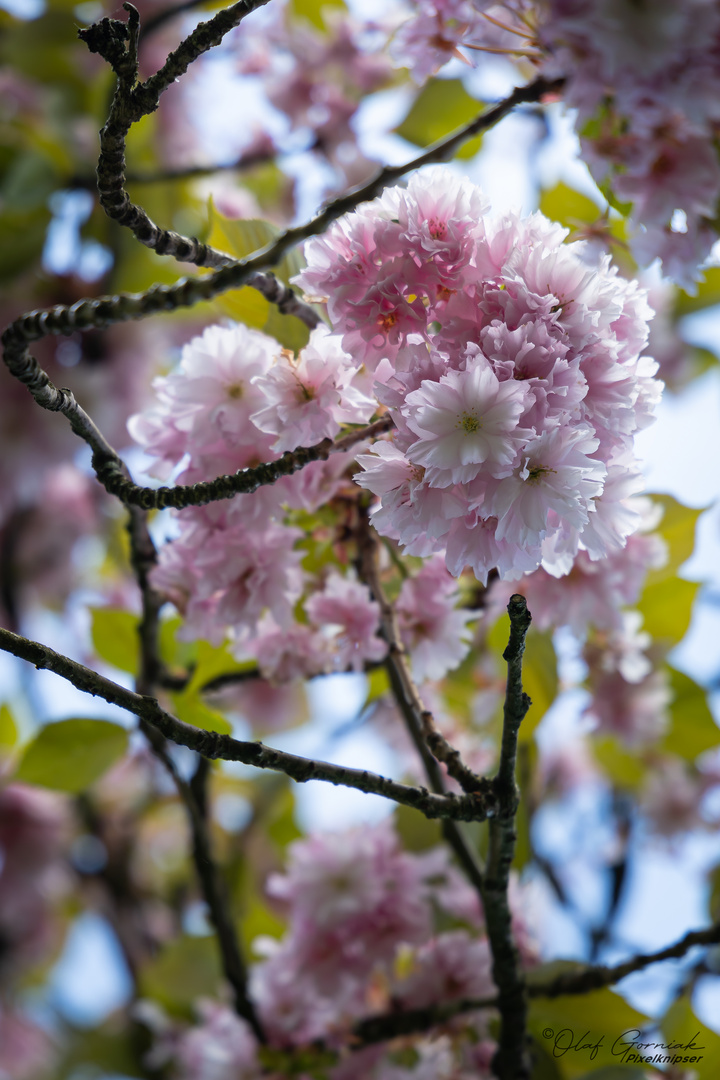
(387, 321)
(469, 423)
(537, 472)
(234, 391)
(437, 229)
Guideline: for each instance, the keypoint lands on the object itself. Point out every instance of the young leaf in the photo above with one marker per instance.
(441, 106)
(8, 729)
(693, 728)
(115, 638)
(70, 755)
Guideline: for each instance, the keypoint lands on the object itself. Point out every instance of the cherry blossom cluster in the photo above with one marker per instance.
(317, 80)
(594, 592)
(34, 835)
(361, 934)
(511, 365)
(238, 399)
(645, 81)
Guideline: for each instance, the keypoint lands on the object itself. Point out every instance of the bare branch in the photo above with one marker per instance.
(384, 1026)
(594, 977)
(130, 103)
(429, 741)
(212, 745)
(511, 1061)
(411, 706)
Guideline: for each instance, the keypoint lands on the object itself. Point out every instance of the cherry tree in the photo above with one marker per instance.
(375, 435)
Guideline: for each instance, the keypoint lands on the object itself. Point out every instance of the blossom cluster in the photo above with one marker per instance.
(645, 82)
(361, 933)
(317, 79)
(238, 399)
(511, 365)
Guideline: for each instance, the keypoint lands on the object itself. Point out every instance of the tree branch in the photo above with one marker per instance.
(383, 1026)
(430, 742)
(411, 707)
(143, 557)
(212, 745)
(595, 976)
(131, 101)
(511, 1061)
(106, 311)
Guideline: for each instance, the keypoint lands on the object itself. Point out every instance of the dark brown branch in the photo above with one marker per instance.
(511, 1061)
(516, 704)
(106, 311)
(411, 707)
(212, 745)
(193, 795)
(430, 742)
(594, 977)
(384, 1026)
(108, 466)
(192, 172)
(131, 101)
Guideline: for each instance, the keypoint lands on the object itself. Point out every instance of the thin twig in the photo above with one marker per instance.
(131, 102)
(511, 1060)
(427, 738)
(411, 707)
(595, 976)
(193, 795)
(213, 745)
(195, 172)
(384, 1026)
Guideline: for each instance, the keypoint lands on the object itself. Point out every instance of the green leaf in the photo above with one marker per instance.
(578, 1031)
(623, 768)
(191, 709)
(185, 970)
(258, 920)
(708, 294)
(441, 106)
(569, 207)
(22, 238)
(693, 729)
(72, 754)
(416, 832)
(677, 529)
(105, 1051)
(714, 897)
(29, 182)
(666, 607)
(539, 678)
(115, 639)
(681, 1025)
(8, 729)
(314, 10)
(174, 652)
(281, 825)
(213, 660)
(291, 332)
(244, 237)
(378, 684)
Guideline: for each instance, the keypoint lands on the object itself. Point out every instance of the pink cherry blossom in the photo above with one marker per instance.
(307, 400)
(466, 420)
(221, 1047)
(434, 632)
(450, 966)
(349, 619)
